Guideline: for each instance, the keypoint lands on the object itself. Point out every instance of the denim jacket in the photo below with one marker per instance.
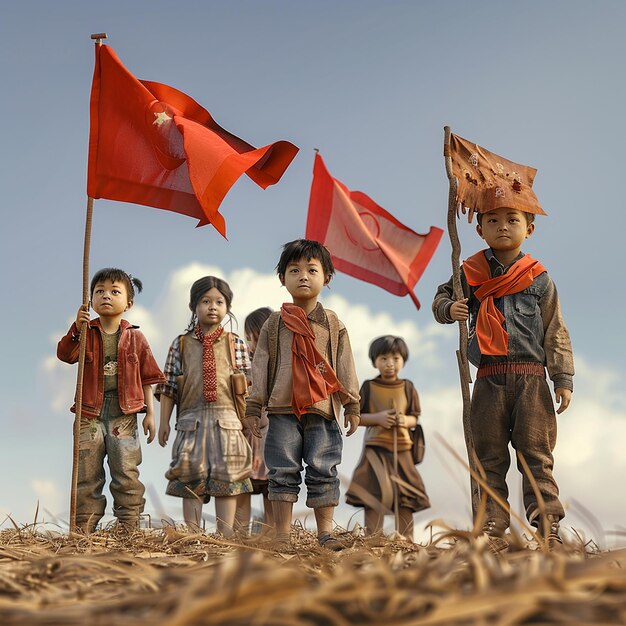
(136, 367)
(533, 321)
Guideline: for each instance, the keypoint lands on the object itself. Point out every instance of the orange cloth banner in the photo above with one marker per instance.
(488, 181)
(153, 145)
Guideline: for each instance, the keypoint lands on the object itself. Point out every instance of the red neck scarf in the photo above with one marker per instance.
(493, 340)
(209, 373)
(313, 379)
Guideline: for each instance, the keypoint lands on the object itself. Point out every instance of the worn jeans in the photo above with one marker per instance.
(115, 436)
(516, 409)
(312, 439)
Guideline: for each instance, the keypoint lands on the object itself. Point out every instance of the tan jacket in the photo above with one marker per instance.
(271, 367)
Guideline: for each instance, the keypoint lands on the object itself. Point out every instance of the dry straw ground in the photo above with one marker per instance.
(170, 576)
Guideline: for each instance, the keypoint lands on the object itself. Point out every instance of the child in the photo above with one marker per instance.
(119, 371)
(390, 407)
(210, 456)
(303, 371)
(252, 327)
(516, 331)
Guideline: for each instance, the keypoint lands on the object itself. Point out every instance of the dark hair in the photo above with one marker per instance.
(308, 249)
(255, 320)
(200, 287)
(116, 275)
(388, 344)
(530, 218)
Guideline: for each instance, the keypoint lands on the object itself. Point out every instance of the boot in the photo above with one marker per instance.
(494, 529)
(549, 530)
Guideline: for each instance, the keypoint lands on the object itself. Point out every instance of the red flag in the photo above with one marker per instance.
(363, 239)
(154, 145)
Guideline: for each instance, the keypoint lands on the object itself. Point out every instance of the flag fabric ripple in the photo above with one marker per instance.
(154, 145)
(364, 240)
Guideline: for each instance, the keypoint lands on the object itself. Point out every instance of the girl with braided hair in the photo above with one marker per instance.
(210, 455)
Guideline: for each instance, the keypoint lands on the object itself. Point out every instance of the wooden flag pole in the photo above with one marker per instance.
(461, 353)
(396, 491)
(97, 37)
(81, 368)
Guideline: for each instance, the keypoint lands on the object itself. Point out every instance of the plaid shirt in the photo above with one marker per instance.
(173, 365)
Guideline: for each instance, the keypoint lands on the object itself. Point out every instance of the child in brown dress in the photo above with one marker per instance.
(390, 409)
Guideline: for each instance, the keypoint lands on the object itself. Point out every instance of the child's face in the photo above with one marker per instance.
(304, 280)
(505, 229)
(389, 365)
(211, 310)
(110, 298)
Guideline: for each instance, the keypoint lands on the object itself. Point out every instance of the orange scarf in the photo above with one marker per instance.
(493, 340)
(313, 379)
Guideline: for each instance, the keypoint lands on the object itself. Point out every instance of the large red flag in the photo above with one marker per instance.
(364, 240)
(154, 145)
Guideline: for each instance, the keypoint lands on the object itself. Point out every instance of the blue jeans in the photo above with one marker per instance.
(115, 436)
(312, 439)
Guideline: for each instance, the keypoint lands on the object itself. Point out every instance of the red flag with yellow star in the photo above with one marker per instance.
(154, 145)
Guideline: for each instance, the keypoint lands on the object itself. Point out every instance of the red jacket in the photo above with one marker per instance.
(136, 367)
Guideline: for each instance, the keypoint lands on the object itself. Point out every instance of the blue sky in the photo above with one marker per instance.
(371, 84)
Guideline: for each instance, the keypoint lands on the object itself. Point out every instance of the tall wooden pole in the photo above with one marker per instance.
(81, 368)
(396, 489)
(461, 353)
(97, 37)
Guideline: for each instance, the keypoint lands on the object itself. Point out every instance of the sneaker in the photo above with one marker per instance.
(126, 526)
(494, 530)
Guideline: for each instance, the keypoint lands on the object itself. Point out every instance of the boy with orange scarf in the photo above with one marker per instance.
(303, 371)
(516, 331)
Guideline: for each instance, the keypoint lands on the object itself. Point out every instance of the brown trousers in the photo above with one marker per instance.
(516, 409)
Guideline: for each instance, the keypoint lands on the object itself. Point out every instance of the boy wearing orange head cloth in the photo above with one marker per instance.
(516, 331)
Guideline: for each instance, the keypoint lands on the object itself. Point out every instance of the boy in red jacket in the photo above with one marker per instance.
(119, 371)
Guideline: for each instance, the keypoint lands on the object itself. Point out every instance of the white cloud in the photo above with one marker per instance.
(47, 494)
(144, 318)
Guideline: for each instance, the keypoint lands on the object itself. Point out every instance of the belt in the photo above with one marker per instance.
(506, 367)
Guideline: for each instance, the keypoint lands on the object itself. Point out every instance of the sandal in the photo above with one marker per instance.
(328, 542)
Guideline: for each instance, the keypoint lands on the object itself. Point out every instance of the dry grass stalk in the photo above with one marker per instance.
(173, 577)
